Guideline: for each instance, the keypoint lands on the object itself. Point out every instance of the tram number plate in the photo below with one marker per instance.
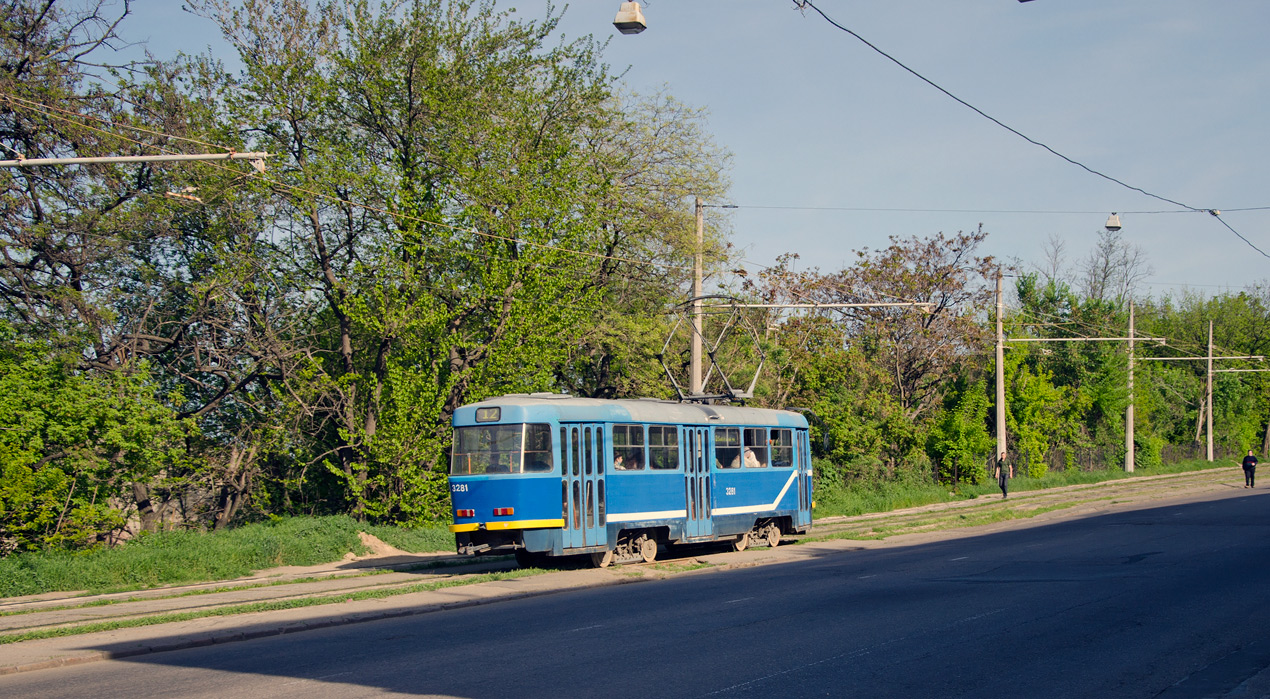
(729, 491)
(458, 487)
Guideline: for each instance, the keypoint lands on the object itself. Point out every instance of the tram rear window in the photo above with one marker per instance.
(501, 449)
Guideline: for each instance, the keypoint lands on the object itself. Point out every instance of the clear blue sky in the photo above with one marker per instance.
(1170, 96)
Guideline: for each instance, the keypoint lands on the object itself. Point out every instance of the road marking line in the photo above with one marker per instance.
(738, 600)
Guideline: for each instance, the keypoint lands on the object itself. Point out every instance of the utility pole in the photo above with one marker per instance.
(1210, 392)
(1206, 402)
(1000, 371)
(694, 382)
(1128, 427)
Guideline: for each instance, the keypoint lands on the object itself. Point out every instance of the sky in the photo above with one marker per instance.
(836, 148)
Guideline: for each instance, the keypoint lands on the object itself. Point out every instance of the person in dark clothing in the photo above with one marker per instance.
(1250, 469)
(1004, 472)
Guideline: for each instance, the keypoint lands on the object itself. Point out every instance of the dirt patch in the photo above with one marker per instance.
(377, 547)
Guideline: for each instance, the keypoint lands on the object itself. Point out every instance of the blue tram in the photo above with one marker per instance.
(553, 475)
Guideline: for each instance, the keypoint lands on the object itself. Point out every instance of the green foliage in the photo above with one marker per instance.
(959, 442)
(72, 441)
(1037, 412)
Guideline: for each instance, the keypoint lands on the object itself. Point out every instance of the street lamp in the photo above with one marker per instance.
(629, 19)
(1113, 222)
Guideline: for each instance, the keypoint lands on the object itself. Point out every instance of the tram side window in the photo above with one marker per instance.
(663, 447)
(727, 447)
(782, 448)
(628, 447)
(538, 454)
(755, 447)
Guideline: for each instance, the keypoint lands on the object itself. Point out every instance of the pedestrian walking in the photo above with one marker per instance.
(1250, 469)
(1004, 472)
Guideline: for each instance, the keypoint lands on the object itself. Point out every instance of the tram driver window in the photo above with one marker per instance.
(755, 447)
(727, 447)
(628, 447)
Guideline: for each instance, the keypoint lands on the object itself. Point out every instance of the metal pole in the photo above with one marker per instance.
(173, 158)
(1210, 391)
(1128, 426)
(694, 383)
(897, 304)
(1000, 372)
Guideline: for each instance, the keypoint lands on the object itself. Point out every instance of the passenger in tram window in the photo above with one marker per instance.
(751, 460)
(619, 463)
(637, 459)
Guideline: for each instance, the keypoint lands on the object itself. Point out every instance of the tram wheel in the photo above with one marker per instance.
(602, 559)
(648, 549)
(773, 535)
(742, 542)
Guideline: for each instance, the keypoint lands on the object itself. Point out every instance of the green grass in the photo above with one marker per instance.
(182, 557)
(260, 607)
(885, 497)
(169, 558)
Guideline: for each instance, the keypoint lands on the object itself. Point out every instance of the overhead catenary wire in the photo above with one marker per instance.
(1216, 213)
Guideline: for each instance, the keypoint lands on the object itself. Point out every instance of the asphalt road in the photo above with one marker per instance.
(1161, 602)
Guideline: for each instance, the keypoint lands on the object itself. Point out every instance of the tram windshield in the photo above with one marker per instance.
(501, 449)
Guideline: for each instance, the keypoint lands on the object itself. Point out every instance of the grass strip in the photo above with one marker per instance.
(869, 498)
(181, 557)
(877, 532)
(194, 593)
(263, 607)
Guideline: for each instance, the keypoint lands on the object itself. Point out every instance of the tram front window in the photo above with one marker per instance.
(501, 449)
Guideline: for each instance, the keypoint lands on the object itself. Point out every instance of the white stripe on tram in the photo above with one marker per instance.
(746, 509)
(639, 516)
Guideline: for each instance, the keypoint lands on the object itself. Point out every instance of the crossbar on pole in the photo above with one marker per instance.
(33, 162)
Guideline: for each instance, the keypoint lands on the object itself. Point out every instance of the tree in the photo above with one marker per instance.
(1113, 269)
(919, 350)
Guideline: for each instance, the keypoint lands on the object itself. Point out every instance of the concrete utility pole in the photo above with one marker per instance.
(1206, 401)
(694, 381)
(1210, 392)
(1000, 371)
(1128, 420)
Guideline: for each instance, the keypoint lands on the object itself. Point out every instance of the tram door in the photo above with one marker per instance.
(582, 500)
(697, 482)
(802, 457)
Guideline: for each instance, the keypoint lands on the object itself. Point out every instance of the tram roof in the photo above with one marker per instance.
(562, 407)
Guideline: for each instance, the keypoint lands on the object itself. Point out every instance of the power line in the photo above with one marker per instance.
(803, 4)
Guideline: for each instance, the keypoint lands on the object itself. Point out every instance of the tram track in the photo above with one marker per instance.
(40, 615)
